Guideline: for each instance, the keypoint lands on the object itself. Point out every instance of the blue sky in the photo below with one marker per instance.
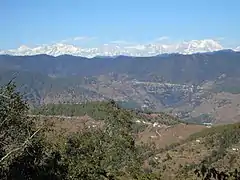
(33, 22)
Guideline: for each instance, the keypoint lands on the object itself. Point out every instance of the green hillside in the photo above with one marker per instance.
(100, 110)
(31, 148)
(214, 147)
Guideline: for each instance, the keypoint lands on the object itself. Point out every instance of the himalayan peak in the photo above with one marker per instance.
(185, 47)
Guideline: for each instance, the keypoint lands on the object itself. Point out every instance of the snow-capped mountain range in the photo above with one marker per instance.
(186, 47)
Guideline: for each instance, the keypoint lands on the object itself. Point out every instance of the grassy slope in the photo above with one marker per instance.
(214, 149)
(177, 160)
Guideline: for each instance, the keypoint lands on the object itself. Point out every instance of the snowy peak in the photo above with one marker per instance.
(186, 47)
(237, 48)
(195, 46)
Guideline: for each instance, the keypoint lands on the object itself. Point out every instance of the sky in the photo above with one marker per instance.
(89, 23)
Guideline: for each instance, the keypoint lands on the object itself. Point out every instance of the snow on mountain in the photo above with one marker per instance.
(198, 46)
(237, 49)
(186, 47)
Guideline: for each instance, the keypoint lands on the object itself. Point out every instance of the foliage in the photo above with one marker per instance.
(203, 118)
(109, 152)
(100, 110)
(15, 126)
(96, 110)
(131, 104)
(213, 174)
(223, 135)
(23, 153)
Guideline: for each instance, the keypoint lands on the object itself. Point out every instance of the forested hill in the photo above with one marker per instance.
(176, 68)
(34, 147)
(187, 86)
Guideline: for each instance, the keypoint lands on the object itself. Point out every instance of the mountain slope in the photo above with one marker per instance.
(188, 86)
(214, 147)
(188, 145)
(174, 68)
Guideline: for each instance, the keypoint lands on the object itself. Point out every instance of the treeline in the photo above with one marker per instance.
(96, 110)
(203, 118)
(100, 110)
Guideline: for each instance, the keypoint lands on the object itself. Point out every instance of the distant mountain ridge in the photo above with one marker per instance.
(175, 68)
(186, 85)
(139, 50)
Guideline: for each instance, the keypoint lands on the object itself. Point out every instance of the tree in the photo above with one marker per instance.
(108, 152)
(213, 174)
(16, 128)
(23, 152)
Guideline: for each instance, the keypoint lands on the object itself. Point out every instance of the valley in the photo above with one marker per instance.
(179, 147)
(119, 90)
(78, 136)
(187, 86)
(179, 107)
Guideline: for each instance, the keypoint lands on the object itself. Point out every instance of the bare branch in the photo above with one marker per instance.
(4, 96)
(3, 122)
(21, 147)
